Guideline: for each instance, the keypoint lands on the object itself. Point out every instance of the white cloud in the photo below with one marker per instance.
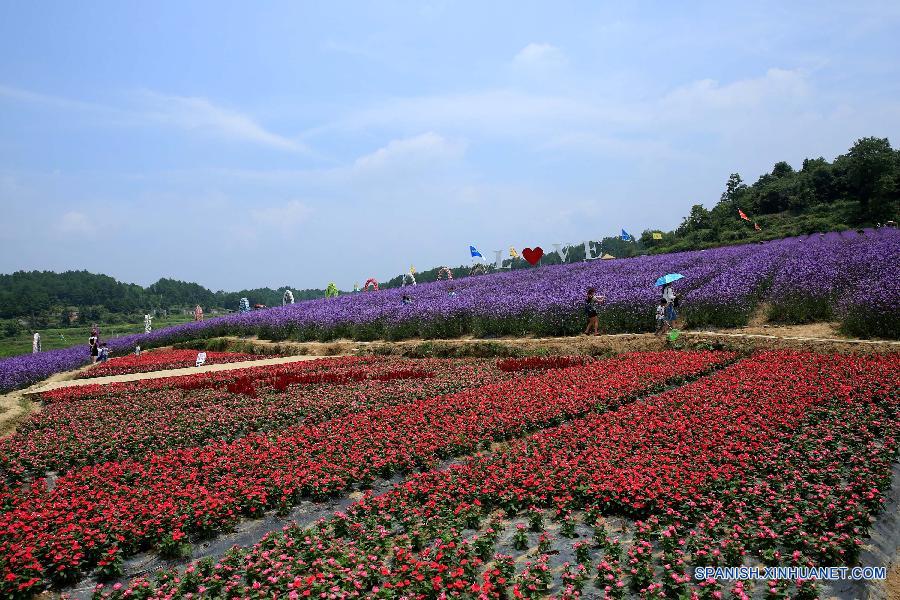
(74, 222)
(778, 88)
(418, 150)
(539, 56)
(194, 113)
(285, 218)
(503, 112)
(183, 112)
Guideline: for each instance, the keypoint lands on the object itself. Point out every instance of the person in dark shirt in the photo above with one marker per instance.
(591, 303)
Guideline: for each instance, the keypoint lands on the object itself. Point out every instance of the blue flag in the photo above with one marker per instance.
(626, 237)
(475, 252)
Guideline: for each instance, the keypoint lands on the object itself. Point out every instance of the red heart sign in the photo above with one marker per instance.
(532, 256)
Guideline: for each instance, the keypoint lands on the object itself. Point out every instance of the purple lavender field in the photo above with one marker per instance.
(847, 276)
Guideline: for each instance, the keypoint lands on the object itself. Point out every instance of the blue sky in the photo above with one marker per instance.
(251, 144)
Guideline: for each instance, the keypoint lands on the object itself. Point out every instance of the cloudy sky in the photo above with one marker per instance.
(242, 145)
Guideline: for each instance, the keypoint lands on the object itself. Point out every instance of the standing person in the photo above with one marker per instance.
(671, 300)
(93, 342)
(590, 309)
(661, 326)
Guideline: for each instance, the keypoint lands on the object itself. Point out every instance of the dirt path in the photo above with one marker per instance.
(817, 337)
(281, 360)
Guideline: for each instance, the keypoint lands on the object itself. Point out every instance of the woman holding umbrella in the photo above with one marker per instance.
(668, 294)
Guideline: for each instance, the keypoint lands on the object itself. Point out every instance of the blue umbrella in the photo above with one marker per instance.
(669, 278)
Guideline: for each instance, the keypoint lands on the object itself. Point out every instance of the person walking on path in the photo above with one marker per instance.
(590, 309)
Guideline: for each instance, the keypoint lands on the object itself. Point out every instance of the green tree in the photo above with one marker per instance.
(871, 170)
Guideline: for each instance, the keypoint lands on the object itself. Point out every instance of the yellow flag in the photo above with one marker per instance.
(412, 270)
(657, 235)
(513, 253)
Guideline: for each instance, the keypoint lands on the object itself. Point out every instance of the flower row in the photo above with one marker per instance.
(101, 512)
(538, 363)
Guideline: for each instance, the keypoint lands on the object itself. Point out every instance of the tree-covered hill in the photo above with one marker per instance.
(858, 189)
(47, 298)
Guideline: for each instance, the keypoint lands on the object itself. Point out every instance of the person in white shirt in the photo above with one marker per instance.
(668, 294)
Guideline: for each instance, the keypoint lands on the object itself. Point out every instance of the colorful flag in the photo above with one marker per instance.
(513, 253)
(657, 235)
(743, 216)
(626, 237)
(756, 226)
(475, 252)
(412, 270)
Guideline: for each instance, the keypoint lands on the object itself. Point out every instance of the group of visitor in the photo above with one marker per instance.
(99, 350)
(666, 311)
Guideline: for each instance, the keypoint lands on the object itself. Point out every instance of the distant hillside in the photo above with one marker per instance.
(858, 189)
(48, 299)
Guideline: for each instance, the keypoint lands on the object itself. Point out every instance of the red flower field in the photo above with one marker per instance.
(616, 476)
(777, 460)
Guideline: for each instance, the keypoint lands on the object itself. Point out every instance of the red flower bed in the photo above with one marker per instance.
(161, 360)
(281, 382)
(128, 421)
(777, 460)
(535, 363)
(122, 507)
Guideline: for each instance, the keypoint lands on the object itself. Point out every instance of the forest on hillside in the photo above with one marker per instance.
(45, 298)
(860, 188)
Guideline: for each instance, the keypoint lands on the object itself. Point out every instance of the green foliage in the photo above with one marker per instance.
(48, 299)
(859, 189)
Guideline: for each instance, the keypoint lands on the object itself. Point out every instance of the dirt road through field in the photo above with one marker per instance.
(280, 360)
